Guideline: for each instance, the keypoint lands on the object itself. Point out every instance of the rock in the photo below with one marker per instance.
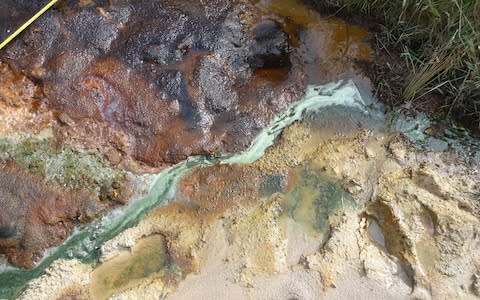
(22, 105)
(174, 93)
(398, 147)
(271, 46)
(44, 195)
(369, 153)
(35, 217)
(353, 187)
(44, 191)
(160, 81)
(476, 285)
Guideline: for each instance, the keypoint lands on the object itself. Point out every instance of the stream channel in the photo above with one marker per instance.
(345, 96)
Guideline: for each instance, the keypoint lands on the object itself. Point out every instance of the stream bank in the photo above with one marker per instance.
(350, 198)
(327, 212)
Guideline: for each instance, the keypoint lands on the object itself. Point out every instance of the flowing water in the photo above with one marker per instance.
(348, 104)
(86, 242)
(341, 97)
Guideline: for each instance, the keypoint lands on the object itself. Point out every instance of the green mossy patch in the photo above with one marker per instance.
(67, 168)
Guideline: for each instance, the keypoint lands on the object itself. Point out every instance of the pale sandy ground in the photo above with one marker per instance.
(218, 280)
(411, 233)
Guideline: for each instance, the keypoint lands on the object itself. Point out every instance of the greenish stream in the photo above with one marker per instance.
(85, 243)
(345, 101)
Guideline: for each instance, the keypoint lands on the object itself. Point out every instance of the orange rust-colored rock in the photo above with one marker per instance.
(34, 217)
(155, 82)
(36, 213)
(22, 105)
(212, 190)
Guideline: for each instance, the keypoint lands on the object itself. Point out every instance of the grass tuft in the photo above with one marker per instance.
(440, 41)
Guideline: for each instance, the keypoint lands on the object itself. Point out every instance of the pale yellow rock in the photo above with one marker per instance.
(63, 276)
(411, 232)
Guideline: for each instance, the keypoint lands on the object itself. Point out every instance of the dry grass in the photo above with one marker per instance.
(440, 42)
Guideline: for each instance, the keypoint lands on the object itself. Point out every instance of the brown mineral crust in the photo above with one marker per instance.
(15, 88)
(106, 93)
(34, 216)
(156, 82)
(213, 190)
(22, 104)
(139, 87)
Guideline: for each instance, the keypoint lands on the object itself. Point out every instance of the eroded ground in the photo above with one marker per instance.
(349, 213)
(340, 207)
(95, 90)
(152, 83)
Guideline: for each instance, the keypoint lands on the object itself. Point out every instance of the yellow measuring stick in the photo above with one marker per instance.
(22, 28)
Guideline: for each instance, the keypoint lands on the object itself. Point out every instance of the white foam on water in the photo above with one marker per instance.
(87, 239)
(316, 97)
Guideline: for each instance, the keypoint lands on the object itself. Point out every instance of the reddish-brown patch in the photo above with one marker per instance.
(162, 81)
(35, 216)
(212, 190)
(22, 104)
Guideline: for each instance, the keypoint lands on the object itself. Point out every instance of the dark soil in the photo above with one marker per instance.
(390, 73)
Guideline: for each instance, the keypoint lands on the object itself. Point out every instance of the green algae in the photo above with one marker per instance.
(272, 184)
(86, 242)
(314, 199)
(147, 259)
(66, 169)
